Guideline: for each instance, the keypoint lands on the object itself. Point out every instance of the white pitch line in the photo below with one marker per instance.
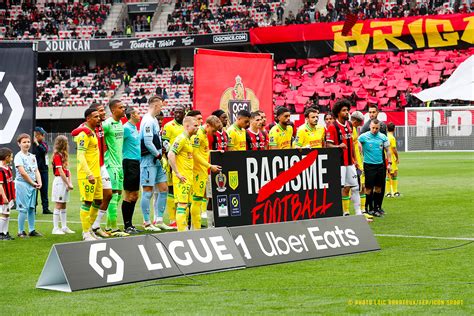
(378, 235)
(425, 237)
(45, 221)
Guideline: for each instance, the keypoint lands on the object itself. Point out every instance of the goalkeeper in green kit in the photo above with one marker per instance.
(113, 134)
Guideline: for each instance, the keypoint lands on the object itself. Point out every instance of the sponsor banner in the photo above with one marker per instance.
(309, 239)
(84, 265)
(448, 128)
(82, 45)
(322, 39)
(236, 81)
(260, 187)
(18, 64)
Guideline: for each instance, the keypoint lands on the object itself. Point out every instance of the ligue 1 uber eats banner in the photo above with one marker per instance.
(367, 36)
(232, 81)
(260, 187)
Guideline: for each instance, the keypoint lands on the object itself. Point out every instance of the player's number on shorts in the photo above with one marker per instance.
(89, 188)
(185, 190)
(201, 184)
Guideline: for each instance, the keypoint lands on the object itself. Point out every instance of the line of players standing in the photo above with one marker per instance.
(172, 164)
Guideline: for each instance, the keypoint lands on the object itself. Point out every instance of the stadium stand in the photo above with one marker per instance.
(79, 87)
(338, 10)
(53, 20)
(174, 85)
(198, 17)
(386, 79)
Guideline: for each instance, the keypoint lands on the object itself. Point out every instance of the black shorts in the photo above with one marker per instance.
(131, 175)
(374, 175)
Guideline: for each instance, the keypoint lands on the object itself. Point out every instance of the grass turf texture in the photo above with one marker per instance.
(437, 200)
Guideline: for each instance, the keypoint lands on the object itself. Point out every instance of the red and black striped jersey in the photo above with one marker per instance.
(6, 181)
(255, 141)
(219, 141)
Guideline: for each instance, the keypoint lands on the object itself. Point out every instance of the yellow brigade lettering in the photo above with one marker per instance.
(381, 38)
(233, 179)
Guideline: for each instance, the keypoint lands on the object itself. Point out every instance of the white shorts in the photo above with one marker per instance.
(60, 194)
(4, 209)
(349, 176)
(104, 174)
(208, 187)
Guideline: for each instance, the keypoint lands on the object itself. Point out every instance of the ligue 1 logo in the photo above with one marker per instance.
(11, 120)
(221, 181)
(106, 262)
(237, 98)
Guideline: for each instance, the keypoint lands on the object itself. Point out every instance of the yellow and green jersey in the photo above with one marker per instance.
(183, 149)
(171, 130)
(87, 155)
(280, 137)
(237, 138)
(200, 151)
(309, 137)
(357, 152)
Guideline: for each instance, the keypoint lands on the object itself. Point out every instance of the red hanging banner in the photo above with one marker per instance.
(232, 81)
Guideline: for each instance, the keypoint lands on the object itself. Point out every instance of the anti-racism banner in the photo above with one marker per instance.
(232, 81)
(367, 36)
(309, 239)
(18, 64)
(272, 186)
(144, 43)
(85, 265)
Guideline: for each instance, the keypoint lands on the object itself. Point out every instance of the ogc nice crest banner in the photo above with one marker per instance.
(232, 81)
(17, 91)
(272, 186)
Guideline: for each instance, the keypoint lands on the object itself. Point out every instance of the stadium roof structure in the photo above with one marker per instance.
(459, 86)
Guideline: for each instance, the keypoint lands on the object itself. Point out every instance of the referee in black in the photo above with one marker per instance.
(373, 114)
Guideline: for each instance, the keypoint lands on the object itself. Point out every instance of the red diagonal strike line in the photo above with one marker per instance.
(286, 176)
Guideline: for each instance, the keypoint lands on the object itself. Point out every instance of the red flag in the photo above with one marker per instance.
(233, 81)
(351, 20)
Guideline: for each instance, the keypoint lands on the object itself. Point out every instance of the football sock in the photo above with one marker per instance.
(388, 185)
(355, 197)
(145, 205)
(98, 220)
(196, 212)
(21, 220)
(160, 204)
(3, 224)
(56, 214)
(181, 218)
(31, 219)
(112, 211)
(63, 217)
(395, 184)
(362, 201)
(85, 218)
(93, 213)
(378, 200)
(126, 211)
(171, 207)
(346, 201)
(369, 206)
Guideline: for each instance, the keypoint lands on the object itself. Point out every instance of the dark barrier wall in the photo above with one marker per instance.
(18, 63)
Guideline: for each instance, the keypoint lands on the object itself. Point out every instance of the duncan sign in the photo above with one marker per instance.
(261, 187)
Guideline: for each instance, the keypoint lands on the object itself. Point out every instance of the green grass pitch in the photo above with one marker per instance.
(403, 278)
